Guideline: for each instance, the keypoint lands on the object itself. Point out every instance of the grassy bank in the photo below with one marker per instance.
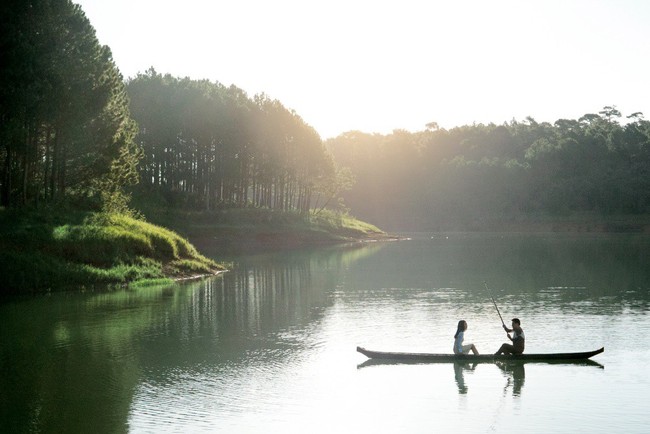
(40, 251)
(254, 229)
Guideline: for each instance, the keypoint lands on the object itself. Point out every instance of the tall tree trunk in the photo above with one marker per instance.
(29, 143)
(47, 161)
(5, 194)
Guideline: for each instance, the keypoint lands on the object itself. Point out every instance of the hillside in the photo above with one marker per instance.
(41, 251)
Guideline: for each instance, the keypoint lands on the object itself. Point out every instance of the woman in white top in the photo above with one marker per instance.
(459, 348)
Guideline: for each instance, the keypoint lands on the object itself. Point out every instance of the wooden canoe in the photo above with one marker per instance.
(480, 358)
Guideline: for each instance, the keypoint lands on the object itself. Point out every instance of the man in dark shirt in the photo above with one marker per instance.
(518, 339)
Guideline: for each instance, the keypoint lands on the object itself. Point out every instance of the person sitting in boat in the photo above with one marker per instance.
(518, 339)
(459, 348)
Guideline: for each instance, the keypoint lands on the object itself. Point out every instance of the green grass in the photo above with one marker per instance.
(56, 249)
(343, 224)
(250, 222)
(42, 251)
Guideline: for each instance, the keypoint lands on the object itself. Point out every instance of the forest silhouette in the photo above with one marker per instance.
(74, 130)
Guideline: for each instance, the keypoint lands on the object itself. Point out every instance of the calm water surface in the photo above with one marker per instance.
(270, 346)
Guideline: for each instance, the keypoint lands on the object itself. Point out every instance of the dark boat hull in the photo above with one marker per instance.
(480, 358)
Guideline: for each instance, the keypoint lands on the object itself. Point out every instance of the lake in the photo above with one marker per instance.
(270, 345)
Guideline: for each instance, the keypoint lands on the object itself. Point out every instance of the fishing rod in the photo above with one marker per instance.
(495, 303)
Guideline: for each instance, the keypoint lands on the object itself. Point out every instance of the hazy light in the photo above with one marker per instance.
(381, 65)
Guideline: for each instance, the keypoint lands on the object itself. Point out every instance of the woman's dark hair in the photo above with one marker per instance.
(461, 327)
(516, 321)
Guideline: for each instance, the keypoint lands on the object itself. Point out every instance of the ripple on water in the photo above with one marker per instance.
(197, 399)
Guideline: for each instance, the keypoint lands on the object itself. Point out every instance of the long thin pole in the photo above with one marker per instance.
(495, 303)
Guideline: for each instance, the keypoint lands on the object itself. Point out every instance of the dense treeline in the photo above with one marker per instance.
(68, 129)
(207, 146)
(469, 176)
(65, 128)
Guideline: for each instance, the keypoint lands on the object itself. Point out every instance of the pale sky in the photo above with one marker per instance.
(380, 65)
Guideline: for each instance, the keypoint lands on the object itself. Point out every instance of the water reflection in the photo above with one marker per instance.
(515, 374)
(70, 362)
(71, 354)
(459, 375)
(278, 291)
(282, 327)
